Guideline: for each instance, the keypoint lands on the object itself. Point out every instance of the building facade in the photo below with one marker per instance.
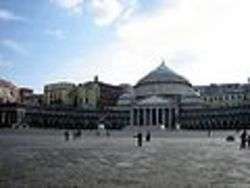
(157, 98)
(89, 95)
(224, 95)
(162, 98)
(9, 93)
(58, 94)
(25, 94)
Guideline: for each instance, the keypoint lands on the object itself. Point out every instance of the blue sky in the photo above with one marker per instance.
(46, 41)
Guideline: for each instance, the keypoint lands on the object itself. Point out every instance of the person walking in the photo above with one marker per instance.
(66, 135)
(243, 139)
(139, 139)
(248, 141)
(148, 136)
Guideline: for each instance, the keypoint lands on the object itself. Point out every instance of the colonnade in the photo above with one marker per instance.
(8, 118)
(153, 116)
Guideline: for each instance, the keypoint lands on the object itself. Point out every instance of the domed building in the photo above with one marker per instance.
(158, 97)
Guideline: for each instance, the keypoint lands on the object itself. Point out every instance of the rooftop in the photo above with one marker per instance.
(162, 74)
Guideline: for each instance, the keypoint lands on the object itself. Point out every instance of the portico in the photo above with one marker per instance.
(154, 111)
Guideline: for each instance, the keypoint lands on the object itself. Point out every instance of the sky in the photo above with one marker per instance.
(45, 41)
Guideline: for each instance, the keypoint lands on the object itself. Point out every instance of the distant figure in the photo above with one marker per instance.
(248, 141)
(148, 136)
(243, 139)
(77, 134)
(66, 135)
(107, 133)
(209, 133)
(139, 139)
(98, 133)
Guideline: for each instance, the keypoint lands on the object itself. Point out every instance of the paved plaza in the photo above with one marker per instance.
(42, 158)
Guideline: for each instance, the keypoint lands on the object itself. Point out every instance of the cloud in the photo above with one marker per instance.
(14, 46)
(57, 33)
(210, 37)
(206, 41)
(6, 15)
(107, 12)
(72, 5)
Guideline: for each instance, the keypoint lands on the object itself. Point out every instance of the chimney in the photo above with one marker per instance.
(96, 79)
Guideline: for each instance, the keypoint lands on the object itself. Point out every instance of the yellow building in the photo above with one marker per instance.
(59, 94)
(96, 94)
(86, 95)
(89, 95)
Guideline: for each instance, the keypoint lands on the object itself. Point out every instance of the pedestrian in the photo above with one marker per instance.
(148, 136)
(107, 133)
(209, 133)
(139, 139)
(248, 141)
(79, 133)
(98, 133)
(66, 135)
(243, 139)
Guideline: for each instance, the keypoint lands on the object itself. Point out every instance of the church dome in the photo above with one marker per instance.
(162, 74)
(164, 82)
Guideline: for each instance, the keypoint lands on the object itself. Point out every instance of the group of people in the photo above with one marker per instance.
(75, 134)
(139, 138)
(245, 139)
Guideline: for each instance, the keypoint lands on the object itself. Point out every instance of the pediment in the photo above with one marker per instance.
(153, 100)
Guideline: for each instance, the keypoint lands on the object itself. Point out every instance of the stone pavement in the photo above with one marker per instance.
(42, 158)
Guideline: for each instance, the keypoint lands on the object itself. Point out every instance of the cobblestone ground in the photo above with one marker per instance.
(42, 158)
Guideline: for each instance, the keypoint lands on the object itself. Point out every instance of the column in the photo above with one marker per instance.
(174, 118)
(135, 117)
(147, 116)
(9, 118)
(150, 116)
(163, 116)
(132, 117)
(177, 118)
(3, 117)
(138, 117)
(170, 118)
(160, 116)
(19, 116)
(1, 120)
(157, 116)
(144, 116)
(167, 117)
